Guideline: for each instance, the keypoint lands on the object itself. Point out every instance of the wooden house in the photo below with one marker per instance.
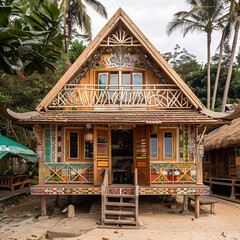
(221, 163)
(120, 123)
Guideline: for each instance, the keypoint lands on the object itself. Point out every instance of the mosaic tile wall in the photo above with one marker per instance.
(97, 191)
(66, 172)
(173, 172)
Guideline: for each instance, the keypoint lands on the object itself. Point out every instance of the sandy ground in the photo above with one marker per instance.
(21, 222)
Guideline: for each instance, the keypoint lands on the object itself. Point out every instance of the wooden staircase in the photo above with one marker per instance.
(119, 205)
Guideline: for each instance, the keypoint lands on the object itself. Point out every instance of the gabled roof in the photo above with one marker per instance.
(120, 15)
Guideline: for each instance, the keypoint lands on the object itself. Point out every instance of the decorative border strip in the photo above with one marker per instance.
(48, 190)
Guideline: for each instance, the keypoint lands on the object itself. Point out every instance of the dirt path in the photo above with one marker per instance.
(22, 223)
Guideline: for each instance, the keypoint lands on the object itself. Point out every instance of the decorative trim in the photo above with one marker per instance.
(184, 172)
(192, 149)
(88, 66)
(48, 190)
(186, 143)
(150, 65)
(181, 142)
(53, 143)
(120, 38)
(47, 143)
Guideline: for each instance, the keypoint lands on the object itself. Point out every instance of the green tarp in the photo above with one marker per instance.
(9, 146)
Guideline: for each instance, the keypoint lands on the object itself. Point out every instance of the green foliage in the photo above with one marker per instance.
(195, 75)
(32, 43)
(182, 61)
(76, 50)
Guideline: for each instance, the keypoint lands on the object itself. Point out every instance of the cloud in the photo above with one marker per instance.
(152, 17)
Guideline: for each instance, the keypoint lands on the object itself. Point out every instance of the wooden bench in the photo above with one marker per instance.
(13, 181)
(203, 200)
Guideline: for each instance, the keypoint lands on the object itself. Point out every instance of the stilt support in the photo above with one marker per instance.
(43, 205)
(197, 207)
(185, 204)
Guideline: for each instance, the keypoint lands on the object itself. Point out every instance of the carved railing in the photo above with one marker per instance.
(180, 172)
(68, 172)
(87, 95)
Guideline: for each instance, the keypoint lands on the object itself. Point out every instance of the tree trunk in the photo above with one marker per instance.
(209, 69)
(65, 26)
(229, 75)
(69, 23)
(218, 71)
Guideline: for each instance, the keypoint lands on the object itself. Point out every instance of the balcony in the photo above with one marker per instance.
(159, 96)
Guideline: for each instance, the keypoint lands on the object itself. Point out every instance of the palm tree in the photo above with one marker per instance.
(204, 16)
(75, 14)
(234, 20)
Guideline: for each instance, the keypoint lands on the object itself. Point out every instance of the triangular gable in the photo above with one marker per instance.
(76, 68)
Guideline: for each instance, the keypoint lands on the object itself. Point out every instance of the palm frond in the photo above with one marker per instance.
(98, 7)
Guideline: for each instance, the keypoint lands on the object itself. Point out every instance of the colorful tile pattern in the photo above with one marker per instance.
(186, 143)
(181, 172)
(48, 190)
(120, 190)
(53, 143)
(66, 172)
(181, 143)
(192, 148)
(47, 143)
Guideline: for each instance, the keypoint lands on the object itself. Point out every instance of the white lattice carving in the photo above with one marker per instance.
(121, 96)
(120, 37)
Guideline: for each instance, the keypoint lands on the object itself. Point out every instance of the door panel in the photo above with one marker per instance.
(141, 141)
(102, 154)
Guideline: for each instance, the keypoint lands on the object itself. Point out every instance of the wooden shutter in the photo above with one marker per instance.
(102, 153)
(141, 138)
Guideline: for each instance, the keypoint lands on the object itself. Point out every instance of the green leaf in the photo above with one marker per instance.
(18, 24)
(34, 23)
(5, 12)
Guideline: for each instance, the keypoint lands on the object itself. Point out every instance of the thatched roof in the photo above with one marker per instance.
(226, 136)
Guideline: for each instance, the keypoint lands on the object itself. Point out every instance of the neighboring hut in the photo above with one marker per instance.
(13, 160)
(221, 163)
(120, 123)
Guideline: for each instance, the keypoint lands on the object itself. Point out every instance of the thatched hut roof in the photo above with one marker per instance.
(226, 136)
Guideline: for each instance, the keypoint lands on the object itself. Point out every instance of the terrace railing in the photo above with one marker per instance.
(150, 95)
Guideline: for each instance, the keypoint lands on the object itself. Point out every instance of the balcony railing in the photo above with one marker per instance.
(87, 95)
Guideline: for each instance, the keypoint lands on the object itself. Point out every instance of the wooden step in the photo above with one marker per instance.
(118, 204)
(119, 213)
(113, 221)
(120, 196)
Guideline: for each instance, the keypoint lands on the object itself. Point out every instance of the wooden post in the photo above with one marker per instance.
(43, 205)
(197, 206)
(199, 172)
(185, 204)
(233, 192)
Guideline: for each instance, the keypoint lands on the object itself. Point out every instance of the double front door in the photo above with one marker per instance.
(103, 154)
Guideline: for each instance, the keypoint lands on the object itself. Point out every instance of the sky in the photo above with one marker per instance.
(152, 17)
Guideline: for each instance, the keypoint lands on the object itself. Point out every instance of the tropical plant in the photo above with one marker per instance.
(34, 44)
(204, 16)
(76, 49)
(75, 13)
(234, 21)
(48, 50)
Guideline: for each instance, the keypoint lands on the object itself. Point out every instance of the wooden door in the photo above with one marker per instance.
(102, 154)
(141, 154)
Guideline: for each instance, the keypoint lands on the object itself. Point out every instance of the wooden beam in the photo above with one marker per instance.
(185, 204)
(197, 206)
(43, 206)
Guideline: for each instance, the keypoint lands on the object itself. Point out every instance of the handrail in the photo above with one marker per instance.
(104, 192)
(105, 180)
(136, 176)
(121, 85)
